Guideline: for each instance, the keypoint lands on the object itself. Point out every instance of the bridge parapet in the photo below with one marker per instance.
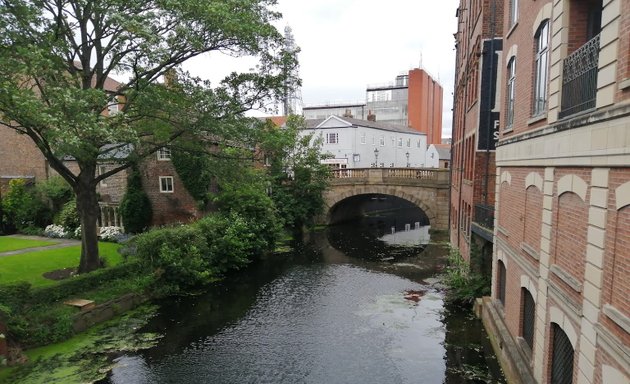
(407, 176)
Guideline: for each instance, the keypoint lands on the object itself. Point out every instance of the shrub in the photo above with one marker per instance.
(55, 231)
(111, 234)
(57, 191)
(23, 207)
(230, 240)
(135, 207)
(68, 217)
(464, 286)
(178, 255)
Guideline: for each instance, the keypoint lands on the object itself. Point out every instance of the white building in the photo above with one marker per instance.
(357, 143)
(438, 156)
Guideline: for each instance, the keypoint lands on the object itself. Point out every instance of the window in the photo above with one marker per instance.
(363, 138)
(332, 138)
(164, 154)
(513, 12)
(166, 184)
(112, 106)
(382, 141)
(502, 282)
(562, 357)
(400, 141)
(509, 118)
(101, 170)
(528, 317)
(393, 141)
(540, 69)
(408, 143)
(418, 143)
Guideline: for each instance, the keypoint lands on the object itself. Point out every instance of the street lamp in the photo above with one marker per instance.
(407, 154)
(376, 157)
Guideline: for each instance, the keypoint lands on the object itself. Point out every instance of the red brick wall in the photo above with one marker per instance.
(623, 63)
(19, 156)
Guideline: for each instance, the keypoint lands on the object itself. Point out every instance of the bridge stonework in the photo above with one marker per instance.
(427, 188)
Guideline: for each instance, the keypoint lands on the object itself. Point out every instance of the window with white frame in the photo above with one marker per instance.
(112, 106)
(400, 141)
(393, 141)
(382, 141)
(332, 138)
(164, 154)
(363, 138)
(408, 143)
(101, 170)
(513, 12)
(510, 93)
(418, 143)
(166, 184)
(541, 65)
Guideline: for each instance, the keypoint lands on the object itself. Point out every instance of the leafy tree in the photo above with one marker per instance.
(297, 176)
(135, 207)
(56, 57)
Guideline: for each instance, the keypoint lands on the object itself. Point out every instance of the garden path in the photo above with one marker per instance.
(60, 243)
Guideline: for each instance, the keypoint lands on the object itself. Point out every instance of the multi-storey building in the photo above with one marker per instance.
(560, 305)
(413, 100)
(354, 143)
(475, 127)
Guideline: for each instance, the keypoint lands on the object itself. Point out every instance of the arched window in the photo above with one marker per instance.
(511, 74)
(528, 317)
(562, 357)
(501, 282)
(541, 65)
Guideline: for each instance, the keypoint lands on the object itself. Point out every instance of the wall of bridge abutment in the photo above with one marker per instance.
(427, 188)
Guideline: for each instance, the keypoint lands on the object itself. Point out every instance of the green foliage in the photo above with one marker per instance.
(23, 207)
(178, 255)
(63, 105)
(57, 191)
(193, 166)
(464, 286)
(68, 217)
(135, 207)
(297, 176)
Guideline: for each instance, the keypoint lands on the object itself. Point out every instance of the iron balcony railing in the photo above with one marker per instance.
(579, 79)
(484, 215)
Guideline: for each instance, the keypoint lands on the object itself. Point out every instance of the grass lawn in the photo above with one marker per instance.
(10, 243)
(31, 265)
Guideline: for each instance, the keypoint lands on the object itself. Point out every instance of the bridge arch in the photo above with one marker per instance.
(425, 200)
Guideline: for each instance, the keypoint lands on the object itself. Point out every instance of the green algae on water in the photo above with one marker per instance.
(86, 357)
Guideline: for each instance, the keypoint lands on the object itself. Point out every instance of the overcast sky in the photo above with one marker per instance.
(348, 44)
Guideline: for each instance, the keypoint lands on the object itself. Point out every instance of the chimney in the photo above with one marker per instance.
(371, 116)
(348, 113)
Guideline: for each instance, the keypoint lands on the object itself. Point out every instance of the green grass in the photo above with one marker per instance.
(30, 266)
(10, 243)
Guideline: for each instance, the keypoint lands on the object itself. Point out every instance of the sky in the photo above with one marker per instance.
(348, 44)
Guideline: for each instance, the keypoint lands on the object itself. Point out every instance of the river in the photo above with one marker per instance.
(358, 303)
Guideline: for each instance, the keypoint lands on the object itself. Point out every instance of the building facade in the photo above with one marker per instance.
(354, 143)
(476, 114)
(352, 110)
(561, 263)
(438, 156)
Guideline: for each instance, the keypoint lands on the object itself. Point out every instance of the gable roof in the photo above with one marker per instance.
(443, 150)
(345, 122)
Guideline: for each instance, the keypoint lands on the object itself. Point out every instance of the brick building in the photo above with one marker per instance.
(560, 305)
(475, 126)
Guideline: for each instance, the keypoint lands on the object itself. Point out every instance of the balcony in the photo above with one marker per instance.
(579, 80)
(484, 215)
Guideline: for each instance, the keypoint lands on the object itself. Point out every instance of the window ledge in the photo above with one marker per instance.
(624, 84)
(566, 278)
(619, 318)
(503, 231)
(537, 118)
(530, 251)
(512, 28)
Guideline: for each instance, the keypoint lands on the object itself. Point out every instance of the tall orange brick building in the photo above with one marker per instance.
(560, 305)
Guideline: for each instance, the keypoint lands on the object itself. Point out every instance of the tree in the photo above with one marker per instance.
(56, 58)
(298, 178)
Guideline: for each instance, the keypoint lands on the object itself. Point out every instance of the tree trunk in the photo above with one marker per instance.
(87, 207)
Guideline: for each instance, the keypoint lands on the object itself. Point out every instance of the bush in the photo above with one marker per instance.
(464, 286)
(68, 217)
(178, 255)
(55, 231)
(57, 191)
(23, 207)
(135, 207)
(111, 234)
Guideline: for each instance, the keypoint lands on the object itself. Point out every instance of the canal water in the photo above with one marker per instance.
(357, 303)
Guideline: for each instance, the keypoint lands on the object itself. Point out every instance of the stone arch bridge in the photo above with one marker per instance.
(427, 188)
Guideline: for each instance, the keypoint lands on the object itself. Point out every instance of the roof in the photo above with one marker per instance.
(110, 84)
(443, 150)
(315, 123)
(277, 120)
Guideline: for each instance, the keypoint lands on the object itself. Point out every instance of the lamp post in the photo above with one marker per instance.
(376, 157)
(407, 154)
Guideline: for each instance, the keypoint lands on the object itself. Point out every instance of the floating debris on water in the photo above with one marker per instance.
(414, 295)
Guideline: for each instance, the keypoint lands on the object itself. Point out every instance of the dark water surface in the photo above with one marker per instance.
(332, 311)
